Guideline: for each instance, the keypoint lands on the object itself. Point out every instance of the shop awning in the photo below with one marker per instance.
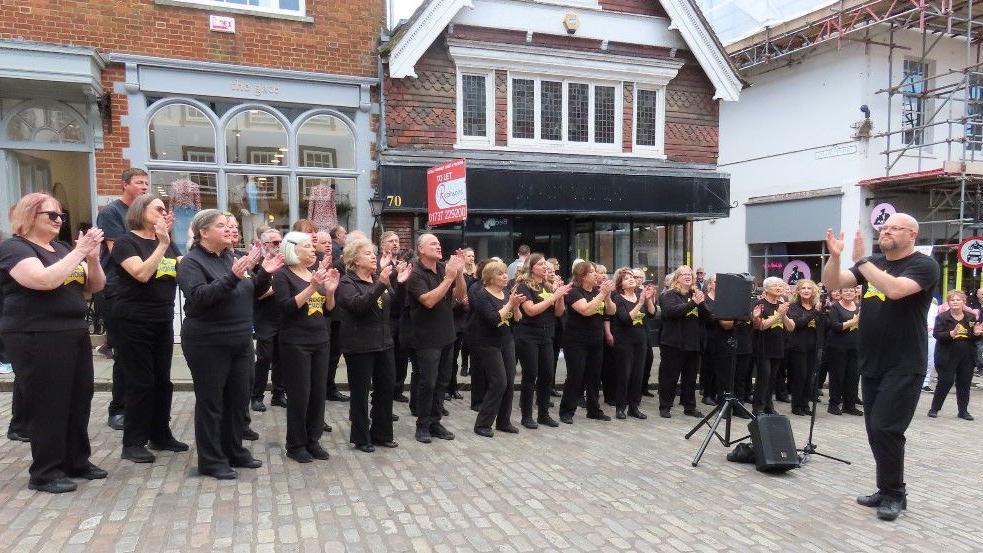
(40, 70)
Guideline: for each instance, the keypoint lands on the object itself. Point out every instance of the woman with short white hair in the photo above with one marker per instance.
(305, 298)
(769, 319)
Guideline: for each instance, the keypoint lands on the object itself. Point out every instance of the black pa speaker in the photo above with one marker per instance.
(735, 298)
(774, 446)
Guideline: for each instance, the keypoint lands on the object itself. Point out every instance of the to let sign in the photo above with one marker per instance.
(447, 193)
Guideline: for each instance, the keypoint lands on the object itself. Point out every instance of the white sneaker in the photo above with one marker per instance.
(6, 368)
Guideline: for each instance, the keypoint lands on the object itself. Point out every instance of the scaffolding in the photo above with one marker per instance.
(940, 127)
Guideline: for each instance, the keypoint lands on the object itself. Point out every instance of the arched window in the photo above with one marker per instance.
(255, 137)
(182, 132)
(47, 124)
(325, 141)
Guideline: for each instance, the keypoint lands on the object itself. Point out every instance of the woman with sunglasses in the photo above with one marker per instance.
(47, 337)
(217, 339)
(144, 306)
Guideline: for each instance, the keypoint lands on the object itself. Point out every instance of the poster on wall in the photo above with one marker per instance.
(447, 193)
(795, 271)
(880, 214)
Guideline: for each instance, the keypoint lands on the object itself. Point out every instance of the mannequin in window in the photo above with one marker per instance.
(249, 202)
(321, 206)
(185, 202)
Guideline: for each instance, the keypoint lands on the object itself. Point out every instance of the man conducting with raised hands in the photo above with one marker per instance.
(897, 289)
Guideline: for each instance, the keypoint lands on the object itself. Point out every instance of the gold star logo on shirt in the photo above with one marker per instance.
(78, 275)
(873, 292)
(167, 267)
(545, 295)
(638, 319)
(315, 304)
(695, 312)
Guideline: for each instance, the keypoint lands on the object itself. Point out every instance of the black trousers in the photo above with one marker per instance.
(583, 371)
(117, 403)
(958, 369)
(676, 363)
(801, 369)
(750, 367)
(647, 366)
(458, 351)
(144, 354)
(401, 358)
(629, 361)
(844, 377)
(267, 366)
(305, 370)
(335, 357)
(763, 396)
(822, 369)
(220, 374)
(478, 382)
(55, 370)
(742, 376)
(371, 371)
(889, 405)
(779, 377)
(431, 384)
(721, 365)
(536, 357)
(19, 408)
(609, 374)
(498, 364)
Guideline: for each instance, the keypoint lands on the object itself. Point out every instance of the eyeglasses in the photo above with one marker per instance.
(54, 215)
(273, 242)
(894, 228)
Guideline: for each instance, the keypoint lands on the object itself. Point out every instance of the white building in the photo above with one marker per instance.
(802, 158)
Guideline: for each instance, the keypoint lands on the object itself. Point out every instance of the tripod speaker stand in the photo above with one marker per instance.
(810, 448)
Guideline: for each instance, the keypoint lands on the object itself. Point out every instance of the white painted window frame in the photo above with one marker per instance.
(564, 144)
(658, 150)
(476, 141)
(301, 10)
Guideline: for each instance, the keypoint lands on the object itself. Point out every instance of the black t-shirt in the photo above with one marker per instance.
(771, 340)
(579, 328)
(744, 333)
(948, 346)
(836, 337)
(487, 328)
(112, 221)
(300, 325)
(807, 323)
(540, 326)
(145, 301)
(27, 310)
(434, 327)
(624, 327)
(893, 333)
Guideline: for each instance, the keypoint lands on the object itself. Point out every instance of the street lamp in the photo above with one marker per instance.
(375, 208)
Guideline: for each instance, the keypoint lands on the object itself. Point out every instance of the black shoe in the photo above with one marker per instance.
(647, 393)
(335, 395)
(91, 472)
(365, 448)
(423, 435)
(966, 416)
(891, 507)
(257, 405)
(582, 403)
(318, 452)
(874, 500)
(665, 413)
(530, 424)
(465, 371)
(401, 399)
(853, 411)
(620, 414)
(566, 419)
(395, 417)
(484, 431)
(444, 412)
(555, 393)
(58, 485)
(16, 436)
(599, 416)
(249, 434)
(508, 429)
(635, 413)
(106, 351)
(547, 420)
(115, 422)
(709, 401)
(221, 474)
(169, 445)
(437, 430)
(834, 410)
(387, 444)
(249, 463)
(137, 454)
(279, 400)
(926, 388)
(740, 414)
(693, 412)
(456, 395)
(933, 413)
(301, 455)
(550, 404)
(326, 427)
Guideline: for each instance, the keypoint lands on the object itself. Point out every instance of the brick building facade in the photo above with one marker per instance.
(274, 121)
(590, 128)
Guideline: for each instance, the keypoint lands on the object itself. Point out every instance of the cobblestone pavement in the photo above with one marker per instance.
(593, 486)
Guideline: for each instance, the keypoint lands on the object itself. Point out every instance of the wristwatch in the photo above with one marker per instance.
(862, 260)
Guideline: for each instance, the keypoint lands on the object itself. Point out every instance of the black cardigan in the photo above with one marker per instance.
(364, 312)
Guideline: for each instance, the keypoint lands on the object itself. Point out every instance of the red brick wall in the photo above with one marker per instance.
(641, 7)
(692, 117)
(342, 39)
(401, 224)
(501, 108)
(109, 160)
(628, 117)
(420, 112)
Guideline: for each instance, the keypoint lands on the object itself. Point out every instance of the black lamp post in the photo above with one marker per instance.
(375, 207)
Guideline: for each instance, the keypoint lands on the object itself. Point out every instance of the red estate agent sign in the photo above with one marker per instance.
(447, 193)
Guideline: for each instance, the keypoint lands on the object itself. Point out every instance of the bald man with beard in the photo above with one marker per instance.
(897, 290)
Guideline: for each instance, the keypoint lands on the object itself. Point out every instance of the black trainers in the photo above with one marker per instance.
(693, 412)
(257, 405)
(137, 454)
(423, 435)
(599, 416)
(279, 400)
(530, 424)
(834, 409)
(566, 419)
(301, 455)
(933, 413)
(966, 416)
(547, 420)
(249, 434)
(58, 485)
(665, 413)
(169, 445)
(636, 414)
(437, 430)
(318, 452)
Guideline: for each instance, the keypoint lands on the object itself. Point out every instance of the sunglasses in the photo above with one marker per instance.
(54, 215)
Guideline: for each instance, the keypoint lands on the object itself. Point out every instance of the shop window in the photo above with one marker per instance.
(185, 194)
(326, 142)
(474, 96)
(256, 200)
(181, 132)
(328, 202)
(650, 250)
(281, 7)
(49, 124)
(612, 242)
(913, 101)
(256, 137)
(677, 246)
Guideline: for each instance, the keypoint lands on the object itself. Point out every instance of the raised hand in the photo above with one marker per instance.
(858, 246)
(834, 245)
(385, 273)
(454, 265)
(607, 287)
(756, 312)
(241, 265)
(515, 298)
(386, 259)
(273, 262)
(331, 280)
(89, 241)
(403, 270)
(698, 297)
(162, 231)
(561, 291)
(169, 220)
(783, 308)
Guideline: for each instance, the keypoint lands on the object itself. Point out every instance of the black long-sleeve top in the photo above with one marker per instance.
(807, 325)
(487, 328)
(307, 324)
(836, 336)
(218, 305)
(682, 325)
(946, 346)
(364, 311)
(624, 327)
(717, 336)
